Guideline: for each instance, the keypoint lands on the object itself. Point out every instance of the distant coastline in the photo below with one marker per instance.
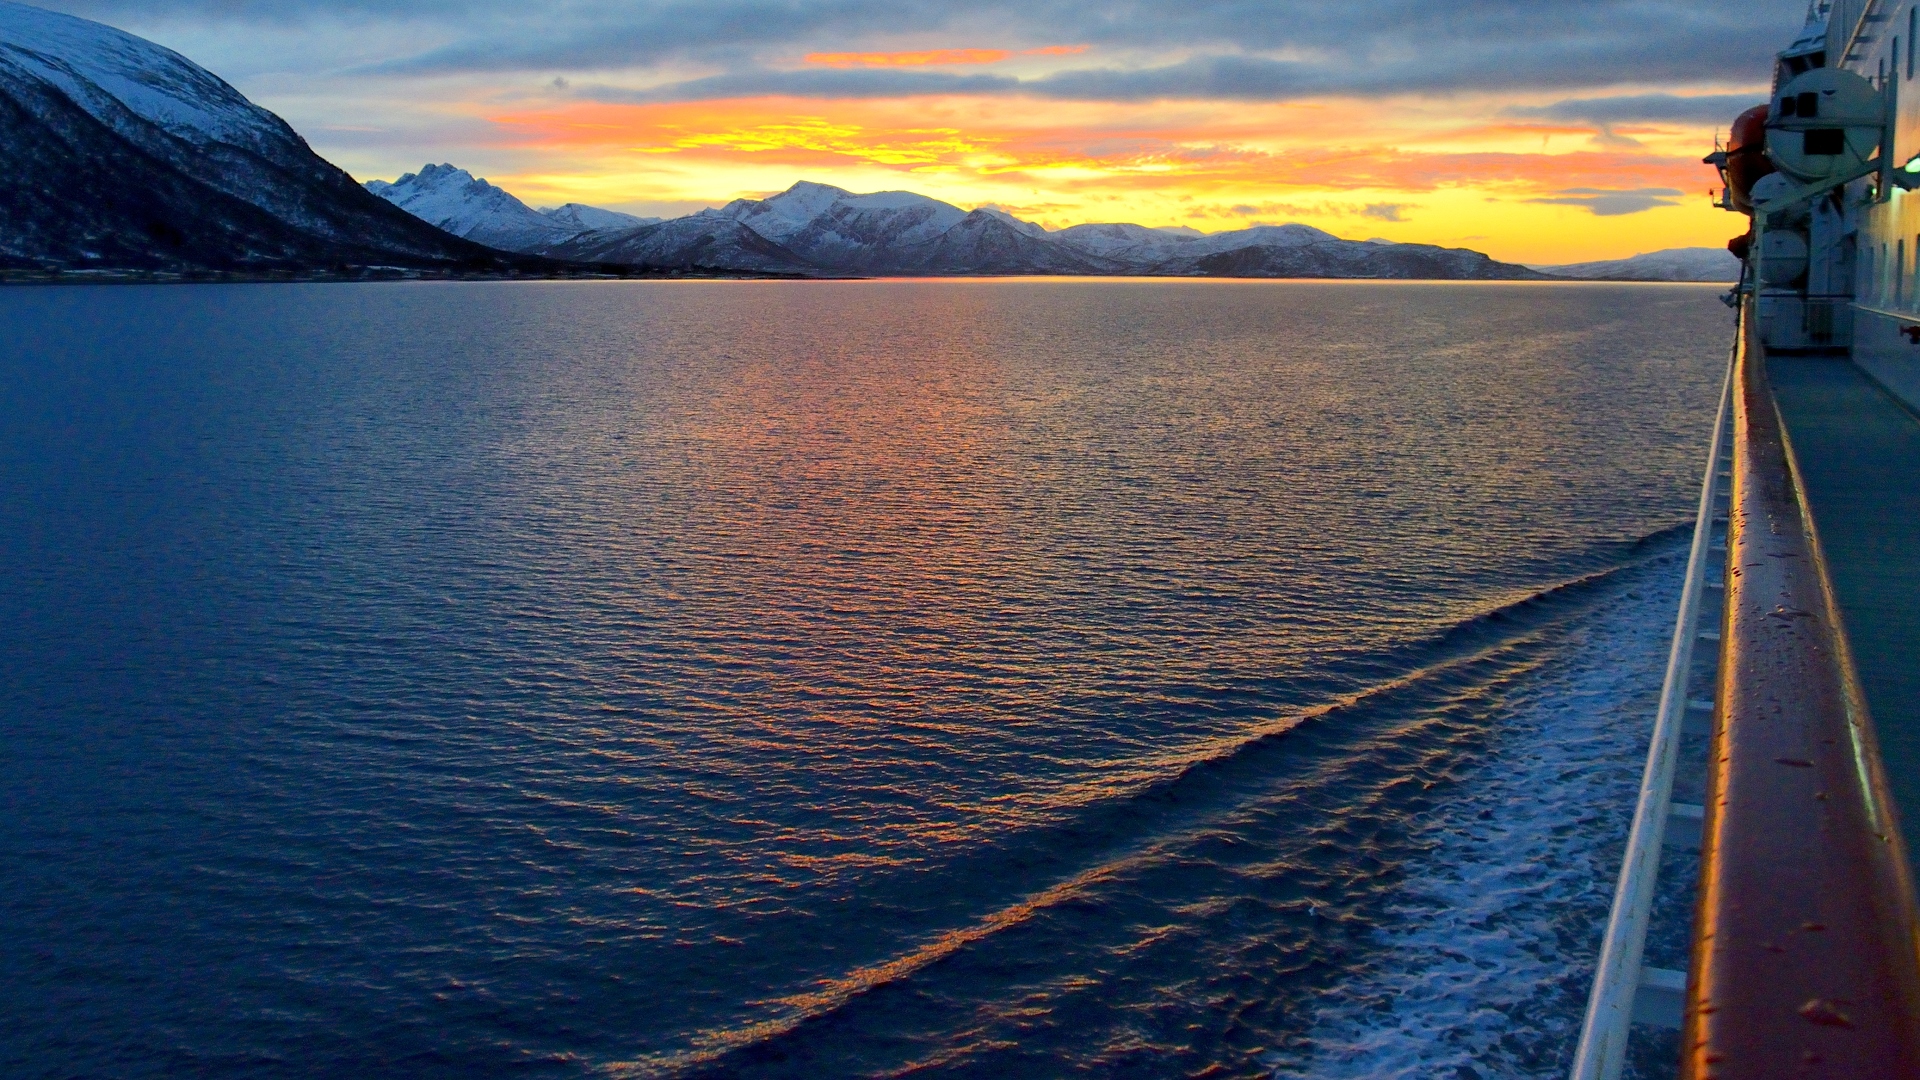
(187, 180)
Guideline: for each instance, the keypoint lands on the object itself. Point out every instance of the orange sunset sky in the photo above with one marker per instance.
(1534, 132)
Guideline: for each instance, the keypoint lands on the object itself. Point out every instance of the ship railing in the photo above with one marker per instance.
(1806, 945)
(1792, 321)
(1806, 949)
(1623, 988)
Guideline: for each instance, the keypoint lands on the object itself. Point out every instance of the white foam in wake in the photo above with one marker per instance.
(1485, 963)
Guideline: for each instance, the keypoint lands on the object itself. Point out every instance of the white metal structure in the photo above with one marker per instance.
(1623, 989)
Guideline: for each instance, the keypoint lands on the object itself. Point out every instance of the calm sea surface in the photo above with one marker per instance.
(984, 679)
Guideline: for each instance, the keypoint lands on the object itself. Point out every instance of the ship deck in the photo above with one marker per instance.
(1858, 452)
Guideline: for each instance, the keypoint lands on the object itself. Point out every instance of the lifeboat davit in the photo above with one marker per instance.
(1747, 157)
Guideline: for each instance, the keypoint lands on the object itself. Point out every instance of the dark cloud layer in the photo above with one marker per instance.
(1609, 203)
(1642, 108)
(1233, 49)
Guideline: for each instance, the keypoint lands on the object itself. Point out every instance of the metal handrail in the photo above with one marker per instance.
(1806, 953)
(1842, 17)
(1603, 1038)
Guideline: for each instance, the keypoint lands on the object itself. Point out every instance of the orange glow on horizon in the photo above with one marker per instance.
(1406, 169)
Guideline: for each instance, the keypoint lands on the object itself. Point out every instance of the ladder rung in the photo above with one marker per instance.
(1709, 635)
(1700, 704)
(1661, 997)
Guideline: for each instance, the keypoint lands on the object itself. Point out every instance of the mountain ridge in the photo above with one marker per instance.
(124, 156)
(817, 228)
(1669, 264)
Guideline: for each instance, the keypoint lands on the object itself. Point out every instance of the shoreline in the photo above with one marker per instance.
(394, 274)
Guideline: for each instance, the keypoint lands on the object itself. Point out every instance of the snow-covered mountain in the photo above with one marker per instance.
(115, 152)
(1133, 243)
(708, 240)
(584, 218)
(837, 230)
(120, 154)
(467, 206)
(1672, 264)
(994, 242)
(818, 228)
(1336, 258)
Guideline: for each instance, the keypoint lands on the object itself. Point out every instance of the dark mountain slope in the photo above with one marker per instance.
(1351, 259)
(705, 241)
(90, 183)
(984, 243)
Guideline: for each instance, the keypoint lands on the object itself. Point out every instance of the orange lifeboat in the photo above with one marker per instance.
(1747, 157)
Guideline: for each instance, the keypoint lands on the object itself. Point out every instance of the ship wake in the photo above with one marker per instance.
(1407, 881)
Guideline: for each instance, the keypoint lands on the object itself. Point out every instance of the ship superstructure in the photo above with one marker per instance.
(1787, 742)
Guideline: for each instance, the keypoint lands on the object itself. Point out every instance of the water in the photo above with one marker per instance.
(1021, 678)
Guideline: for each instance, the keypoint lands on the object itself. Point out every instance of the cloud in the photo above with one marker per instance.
(924, 58)
(1135, 49)
(1324, 209)
(829, 83)
(1604, 203)
(1642, 108)
(1611, 140)
(935, 57)
(1229, 77)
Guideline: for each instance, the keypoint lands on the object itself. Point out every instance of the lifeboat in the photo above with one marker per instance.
(1747, 157)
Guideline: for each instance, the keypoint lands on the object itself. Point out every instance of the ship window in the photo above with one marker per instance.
(1818, 59)
(1796, 64)
(1786, 106)
(1807, 104)
(1825, 142)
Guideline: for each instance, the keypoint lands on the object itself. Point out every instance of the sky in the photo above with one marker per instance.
(1535, 130)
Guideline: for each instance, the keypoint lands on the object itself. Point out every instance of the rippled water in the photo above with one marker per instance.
(985, 679)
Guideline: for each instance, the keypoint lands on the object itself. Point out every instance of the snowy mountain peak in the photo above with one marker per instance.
(116, 77)
(125, 155)
(1026, 227)
(1122, 240)
(1290, 235)
(444, 177)
(811, 189)
(592, 218)
(811, 216)
(467, 206)
(813, 227)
